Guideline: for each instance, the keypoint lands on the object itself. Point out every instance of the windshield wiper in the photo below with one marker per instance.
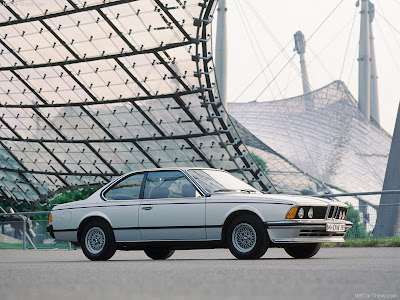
(234, 190)
(248, 191)
(225, 190)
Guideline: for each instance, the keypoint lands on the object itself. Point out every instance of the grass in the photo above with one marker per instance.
(368, 242)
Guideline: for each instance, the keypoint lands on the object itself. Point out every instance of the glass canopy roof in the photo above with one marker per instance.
(93, 89)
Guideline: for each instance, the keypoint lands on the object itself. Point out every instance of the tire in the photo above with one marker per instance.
(159, 253)
(97, 240)
(247, 237)
(302, 250)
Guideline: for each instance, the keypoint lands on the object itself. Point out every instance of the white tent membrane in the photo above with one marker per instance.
(90, 90)
(324, 135)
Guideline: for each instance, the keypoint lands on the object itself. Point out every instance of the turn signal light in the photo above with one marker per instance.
(292, 213)
(51, 218)
(345, 214)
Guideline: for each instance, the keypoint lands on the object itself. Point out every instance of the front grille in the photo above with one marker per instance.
(334, 212)
(331, 210)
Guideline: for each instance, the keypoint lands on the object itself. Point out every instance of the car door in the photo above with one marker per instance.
(122, 207)
(171, 208)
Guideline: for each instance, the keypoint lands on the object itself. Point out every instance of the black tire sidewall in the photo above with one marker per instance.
(262, 240)
(159, 253)
(302, 250)
(110, 245)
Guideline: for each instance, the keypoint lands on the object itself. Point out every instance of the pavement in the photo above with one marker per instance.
(334, 273)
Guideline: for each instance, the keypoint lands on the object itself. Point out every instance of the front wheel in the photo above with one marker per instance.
(302, 250)
(159, 253)
(247, 237)
(98, 241)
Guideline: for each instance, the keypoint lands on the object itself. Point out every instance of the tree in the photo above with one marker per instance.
(69, 196)
(357, 230)
(260, 162)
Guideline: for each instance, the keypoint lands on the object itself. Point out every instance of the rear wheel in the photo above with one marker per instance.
(98, 241)
(159, 253)
(247, 237)
(302, 250)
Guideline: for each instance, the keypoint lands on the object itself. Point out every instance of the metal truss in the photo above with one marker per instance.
(52, 145)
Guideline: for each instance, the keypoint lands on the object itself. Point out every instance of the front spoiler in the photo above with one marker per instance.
(305, 231)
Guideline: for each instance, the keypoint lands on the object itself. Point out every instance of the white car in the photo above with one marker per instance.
(162, 210)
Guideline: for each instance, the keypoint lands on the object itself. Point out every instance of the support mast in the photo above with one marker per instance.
(300, 47)
(388, 218)
(364, 74)
(221, 53)
(374, 99)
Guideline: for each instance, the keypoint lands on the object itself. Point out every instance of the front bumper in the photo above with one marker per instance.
(50, 230)
(305, 231)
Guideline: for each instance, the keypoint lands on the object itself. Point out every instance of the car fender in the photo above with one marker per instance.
(94, 214)
(244, 207)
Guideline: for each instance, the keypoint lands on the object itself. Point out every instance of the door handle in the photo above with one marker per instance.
(147, 207)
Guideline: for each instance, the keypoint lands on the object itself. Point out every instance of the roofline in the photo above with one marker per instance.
(171, 169)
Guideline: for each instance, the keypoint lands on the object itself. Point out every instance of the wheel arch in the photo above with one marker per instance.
(238, 211)
(91, 217)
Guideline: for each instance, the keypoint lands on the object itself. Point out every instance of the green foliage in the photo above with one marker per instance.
(368, 242)
(358, 230)
(70, 196)
(260, 162)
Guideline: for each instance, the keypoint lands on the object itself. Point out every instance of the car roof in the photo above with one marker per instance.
(172, 169)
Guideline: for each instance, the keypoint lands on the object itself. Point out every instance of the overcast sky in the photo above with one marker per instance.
(251, 48)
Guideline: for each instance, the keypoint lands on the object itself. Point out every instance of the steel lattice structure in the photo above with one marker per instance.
(90, 90)
(324, 135)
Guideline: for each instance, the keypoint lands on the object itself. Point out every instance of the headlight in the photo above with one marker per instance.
(301, 213)
(310, 213)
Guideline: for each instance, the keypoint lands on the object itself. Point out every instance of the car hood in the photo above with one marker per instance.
(275, 198)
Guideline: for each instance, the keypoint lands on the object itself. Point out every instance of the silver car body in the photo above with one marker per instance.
(199, 218)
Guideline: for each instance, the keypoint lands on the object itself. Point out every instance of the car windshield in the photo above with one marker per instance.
(215, 181)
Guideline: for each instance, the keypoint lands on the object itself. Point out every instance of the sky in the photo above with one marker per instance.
(260, 36)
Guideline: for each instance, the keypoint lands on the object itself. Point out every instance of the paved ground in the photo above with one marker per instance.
(339, 273)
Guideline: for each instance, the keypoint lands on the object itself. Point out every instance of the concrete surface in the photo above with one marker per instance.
(336, 273)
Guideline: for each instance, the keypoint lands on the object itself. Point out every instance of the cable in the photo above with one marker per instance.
(388, 47)
(280, 71)
(280, 46)
(352, 65)
(320, 25)
(316, 56)
(348, 43)
(243, 19)
(390, 25)
(262, 71)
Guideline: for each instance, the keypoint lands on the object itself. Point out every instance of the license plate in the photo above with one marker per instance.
(335, 227)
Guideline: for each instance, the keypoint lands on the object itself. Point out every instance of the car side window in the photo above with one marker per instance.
(127, 189)
(168, 184)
